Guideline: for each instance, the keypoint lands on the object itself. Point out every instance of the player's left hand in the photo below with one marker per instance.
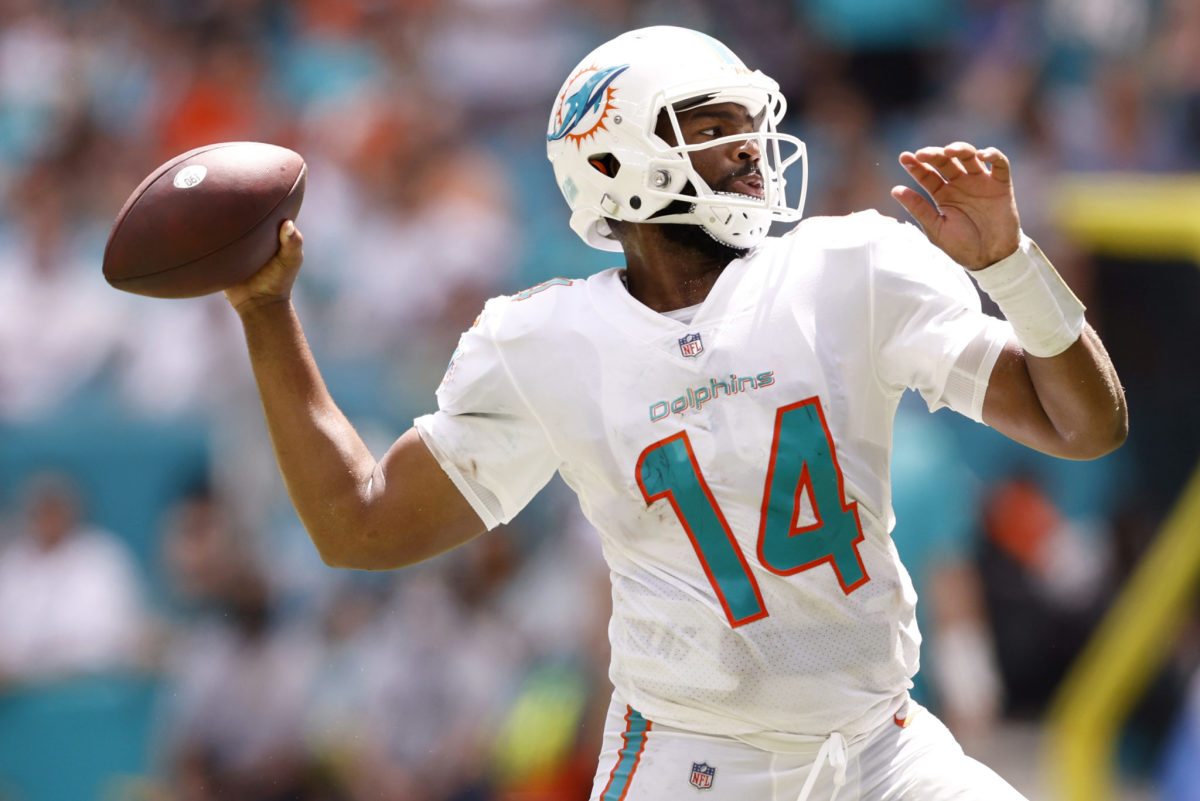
(973, 216)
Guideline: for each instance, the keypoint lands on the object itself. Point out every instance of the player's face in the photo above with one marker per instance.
(731, 167)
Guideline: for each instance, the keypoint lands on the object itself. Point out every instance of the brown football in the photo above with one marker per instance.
(205, 220)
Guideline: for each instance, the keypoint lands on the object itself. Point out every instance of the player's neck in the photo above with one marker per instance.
(668, 268)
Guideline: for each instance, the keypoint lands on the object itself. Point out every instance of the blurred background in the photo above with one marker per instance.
(168, 632)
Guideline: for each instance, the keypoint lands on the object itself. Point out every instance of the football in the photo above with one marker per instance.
(205, 220)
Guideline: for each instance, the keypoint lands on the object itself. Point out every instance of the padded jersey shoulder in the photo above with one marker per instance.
(893, 250)
(854, 242)
(835, 253)
(539, 309)
(856, 230)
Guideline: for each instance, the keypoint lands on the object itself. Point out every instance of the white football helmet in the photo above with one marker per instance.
(610, 163)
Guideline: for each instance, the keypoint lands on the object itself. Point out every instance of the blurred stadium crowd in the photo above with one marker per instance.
(158, 597)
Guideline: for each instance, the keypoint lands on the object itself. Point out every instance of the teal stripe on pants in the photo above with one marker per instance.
(636, 727)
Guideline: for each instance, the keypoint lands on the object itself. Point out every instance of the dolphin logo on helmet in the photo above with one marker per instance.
(584, 100)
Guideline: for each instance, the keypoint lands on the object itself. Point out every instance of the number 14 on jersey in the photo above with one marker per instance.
(803, 463)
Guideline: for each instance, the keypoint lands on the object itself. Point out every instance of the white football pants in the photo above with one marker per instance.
(914, 761)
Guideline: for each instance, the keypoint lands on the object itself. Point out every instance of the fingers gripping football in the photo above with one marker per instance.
(273, 282)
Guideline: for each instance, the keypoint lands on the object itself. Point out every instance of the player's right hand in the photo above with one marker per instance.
(273, 281)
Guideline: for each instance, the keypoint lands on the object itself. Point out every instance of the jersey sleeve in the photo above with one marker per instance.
(929, 331)
(484, 434)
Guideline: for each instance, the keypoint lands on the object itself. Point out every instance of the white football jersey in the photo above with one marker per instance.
(735, 466)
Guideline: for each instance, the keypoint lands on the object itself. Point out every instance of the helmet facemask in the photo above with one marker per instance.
(738, 220)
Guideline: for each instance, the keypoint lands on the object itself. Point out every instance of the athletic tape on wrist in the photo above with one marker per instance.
(1045, 314)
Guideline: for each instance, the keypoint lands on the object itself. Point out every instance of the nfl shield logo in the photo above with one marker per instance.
(702, 775)
(691, 345)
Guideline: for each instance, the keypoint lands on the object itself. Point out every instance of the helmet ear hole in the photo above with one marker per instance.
(605, 163)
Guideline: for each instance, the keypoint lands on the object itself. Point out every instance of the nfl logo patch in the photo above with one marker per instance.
(691, 345)
(702, 775)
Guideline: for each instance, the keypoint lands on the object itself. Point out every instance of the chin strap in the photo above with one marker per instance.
(721, 224)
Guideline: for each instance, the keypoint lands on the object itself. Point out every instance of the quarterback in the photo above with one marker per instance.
(723, 406)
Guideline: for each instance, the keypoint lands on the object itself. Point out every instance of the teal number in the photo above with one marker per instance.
(802, 464)
(668, 469)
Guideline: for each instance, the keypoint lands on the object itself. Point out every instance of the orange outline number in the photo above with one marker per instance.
(803, 464)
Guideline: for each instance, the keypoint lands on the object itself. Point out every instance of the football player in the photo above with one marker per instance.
(723, 405)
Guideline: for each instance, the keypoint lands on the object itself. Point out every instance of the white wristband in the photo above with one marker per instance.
(1045, 314)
